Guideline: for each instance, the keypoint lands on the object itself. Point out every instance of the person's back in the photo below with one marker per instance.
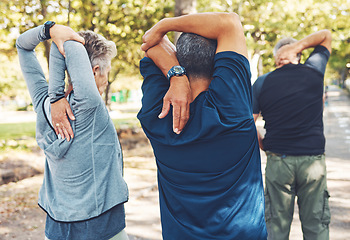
(83, 190)
(290, 101)
(209, 176)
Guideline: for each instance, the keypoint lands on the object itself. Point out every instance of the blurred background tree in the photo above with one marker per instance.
(125, 21)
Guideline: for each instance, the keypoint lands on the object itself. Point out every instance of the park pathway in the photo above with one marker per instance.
(337, 131)
(21, 219)
(143, 213)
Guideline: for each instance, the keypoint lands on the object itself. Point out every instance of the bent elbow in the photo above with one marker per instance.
(233, 18)
(328, 33)
(18, 42)
(229, 20)
(72, 47)
(328, 40)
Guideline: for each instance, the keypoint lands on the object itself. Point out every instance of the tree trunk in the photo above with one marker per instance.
(47, 51)
(184, 7)
(46, 43)
(343, 77)
(107, 101)
(107, 91)
(69, 10)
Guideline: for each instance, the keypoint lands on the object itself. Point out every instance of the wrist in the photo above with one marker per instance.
(301, 45)
(162, 26)
(178, 79)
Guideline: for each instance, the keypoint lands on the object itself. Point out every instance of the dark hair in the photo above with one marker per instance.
(196, 54)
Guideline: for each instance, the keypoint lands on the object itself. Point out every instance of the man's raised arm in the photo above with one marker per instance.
(226, 28)
(179, 93)
(287, 54)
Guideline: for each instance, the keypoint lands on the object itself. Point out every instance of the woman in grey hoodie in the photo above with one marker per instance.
(83, 191)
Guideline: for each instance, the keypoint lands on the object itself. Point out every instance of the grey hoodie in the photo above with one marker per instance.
(84, 177)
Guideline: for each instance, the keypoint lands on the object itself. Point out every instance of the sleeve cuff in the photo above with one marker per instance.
(57, 98)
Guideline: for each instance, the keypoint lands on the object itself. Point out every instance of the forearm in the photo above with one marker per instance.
(57, 74)
(226, 28)
(209, 25)
(31, 38)
(322, 37)
(30, 66)
(163, 55)
(260, 138)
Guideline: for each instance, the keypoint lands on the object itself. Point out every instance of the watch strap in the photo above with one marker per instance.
(47, 26)
(176, 71)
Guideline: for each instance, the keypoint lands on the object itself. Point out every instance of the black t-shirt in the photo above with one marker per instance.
(290, 101)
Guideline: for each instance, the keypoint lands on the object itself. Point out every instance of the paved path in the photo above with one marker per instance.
(337, 131)
(21, 219)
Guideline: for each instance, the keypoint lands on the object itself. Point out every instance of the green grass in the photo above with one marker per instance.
(17, 130)
(126, 123)
(14, 131)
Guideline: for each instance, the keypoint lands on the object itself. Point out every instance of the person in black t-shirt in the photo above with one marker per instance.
(290, 100)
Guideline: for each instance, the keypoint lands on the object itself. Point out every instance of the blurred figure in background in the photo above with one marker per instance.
(290, 99)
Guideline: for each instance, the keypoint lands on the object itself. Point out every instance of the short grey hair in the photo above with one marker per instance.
(100, 50)
(283, 42)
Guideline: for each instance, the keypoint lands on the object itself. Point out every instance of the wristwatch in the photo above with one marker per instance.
(47, 26)
(176, 71)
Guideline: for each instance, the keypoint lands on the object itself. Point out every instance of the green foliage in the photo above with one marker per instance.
(125, 21)
(265, 22)
(122, 21)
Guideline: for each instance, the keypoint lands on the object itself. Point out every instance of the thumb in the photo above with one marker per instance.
(144, 47)
(295, 61)
(79, 39)
(61, 49)
(165, 109)
(70, 113)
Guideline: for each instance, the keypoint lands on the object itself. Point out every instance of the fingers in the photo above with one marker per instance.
(176, 119)
(79, 38)
(181, 115)
(59, 112)
(281, 63)
(176, 115)
(68, 132)
(70, 113)
(185, 115)
(60, 48)
(165, 109)
(60, 132)
(65, 124)
(63, 132)
(144, 47)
